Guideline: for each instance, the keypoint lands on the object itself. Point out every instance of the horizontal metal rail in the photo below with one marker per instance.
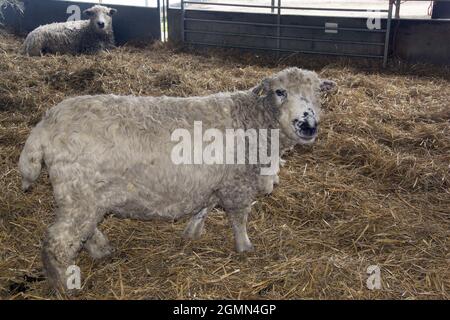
(286, 50)
(258, 24)
(334, 9)
(230, 4)
(221, 4)
(286, 38)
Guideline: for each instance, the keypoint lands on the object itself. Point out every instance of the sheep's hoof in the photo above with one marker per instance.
(98, 246)
(276, 180)
(103, 252)
(99, 250)
(195, 226)
(26, 186)
(245, 247)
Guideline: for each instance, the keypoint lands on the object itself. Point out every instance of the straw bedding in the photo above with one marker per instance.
(373, 190)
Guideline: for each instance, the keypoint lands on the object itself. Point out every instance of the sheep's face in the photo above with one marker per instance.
(295, 94)
(101, 18)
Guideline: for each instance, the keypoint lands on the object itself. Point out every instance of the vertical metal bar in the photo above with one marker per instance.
(164, 20)
(182, 20)
(158, 5)
(388, 33)
(272, 4)
(278, 28)
(397, 9)
(167, 18)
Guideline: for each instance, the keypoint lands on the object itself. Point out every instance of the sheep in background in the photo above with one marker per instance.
(113, 154)
(84, 36)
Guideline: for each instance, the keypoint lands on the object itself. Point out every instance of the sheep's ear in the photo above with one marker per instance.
(112, 11)
(88, 12)
(327, 85)
(263, 88)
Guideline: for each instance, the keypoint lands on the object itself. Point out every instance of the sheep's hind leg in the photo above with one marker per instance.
(195, 226)
(238, 220)
(64, 240)
(98, 245)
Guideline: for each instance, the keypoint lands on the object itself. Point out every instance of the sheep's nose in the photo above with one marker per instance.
(101, 25)
(308, 129)
(307, 126)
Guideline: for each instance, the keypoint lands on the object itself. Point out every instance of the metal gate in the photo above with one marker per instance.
(279, 32)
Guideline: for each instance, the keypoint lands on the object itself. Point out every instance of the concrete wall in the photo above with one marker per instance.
(441, 10)
(422, 41)
(411, 40)
(130, 23)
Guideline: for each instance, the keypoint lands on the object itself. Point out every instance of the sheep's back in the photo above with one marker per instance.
(121, 140)
(56, 37)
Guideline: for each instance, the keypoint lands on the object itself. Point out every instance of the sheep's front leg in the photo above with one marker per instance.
(276, 179)
(238, 220)
(195, 226)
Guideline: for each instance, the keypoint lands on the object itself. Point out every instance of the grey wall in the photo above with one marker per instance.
(422, 41)
(441, 10)
(130, 23)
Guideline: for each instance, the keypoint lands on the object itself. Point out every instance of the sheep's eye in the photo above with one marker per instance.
(281, 93)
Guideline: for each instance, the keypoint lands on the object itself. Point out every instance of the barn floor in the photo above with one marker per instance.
(373, 190)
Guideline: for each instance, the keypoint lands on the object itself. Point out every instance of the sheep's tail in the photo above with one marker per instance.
(25, 46)
(31, 158)
(24, 49)
(32, 46)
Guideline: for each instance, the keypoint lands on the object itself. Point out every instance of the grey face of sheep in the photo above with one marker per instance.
(101, 18)
(295, 93)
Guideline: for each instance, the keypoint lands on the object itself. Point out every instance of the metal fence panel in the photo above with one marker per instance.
(280, 32)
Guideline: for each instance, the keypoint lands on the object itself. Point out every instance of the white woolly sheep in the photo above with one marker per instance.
(84, 36)
(113, 154)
